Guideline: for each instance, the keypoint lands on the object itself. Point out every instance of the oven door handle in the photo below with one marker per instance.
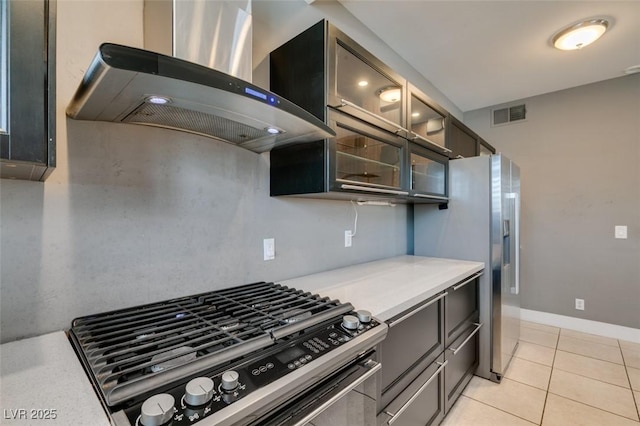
(372, 366)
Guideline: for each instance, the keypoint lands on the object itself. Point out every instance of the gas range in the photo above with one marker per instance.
(233, 356)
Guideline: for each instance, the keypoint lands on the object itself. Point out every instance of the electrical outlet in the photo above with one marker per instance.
(269, 248)
(620, 232)
(347, 238)
(580, 304)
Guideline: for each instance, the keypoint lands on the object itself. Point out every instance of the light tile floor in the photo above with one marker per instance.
(557, 377)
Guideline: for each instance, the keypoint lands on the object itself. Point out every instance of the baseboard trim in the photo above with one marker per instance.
(583, 325)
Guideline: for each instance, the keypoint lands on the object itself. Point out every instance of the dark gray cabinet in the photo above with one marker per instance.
(428, 173)
(461, 337)
(27, 125)
(461, 140)
(429, 356)
(415, 339)
(365, 103)
(464, 142)
(461, 308)
(427, 121)
(422, 402)
(361, 159)
(485, 148)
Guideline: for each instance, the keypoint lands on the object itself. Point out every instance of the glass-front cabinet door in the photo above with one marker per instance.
(427, 125)
(428, 173)
(365, 158)
(362, 86)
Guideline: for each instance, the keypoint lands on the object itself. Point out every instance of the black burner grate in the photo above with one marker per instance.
(132, 351)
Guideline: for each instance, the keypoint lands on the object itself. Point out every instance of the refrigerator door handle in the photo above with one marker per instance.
(516, 218)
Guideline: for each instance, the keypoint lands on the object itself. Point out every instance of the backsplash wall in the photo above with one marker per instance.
(134, 215)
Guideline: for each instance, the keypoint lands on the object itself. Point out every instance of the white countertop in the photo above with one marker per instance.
(43, 373)
(42, 376)
(390, 286)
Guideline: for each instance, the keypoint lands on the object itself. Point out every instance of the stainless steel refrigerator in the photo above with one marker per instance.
(482, 223)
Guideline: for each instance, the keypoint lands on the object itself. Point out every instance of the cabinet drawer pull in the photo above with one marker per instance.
(456, 350)
(366, 188)
(344, 103)
(415, 311)
(462, 284)
(415, 136)
(406, 405)
(437, 197)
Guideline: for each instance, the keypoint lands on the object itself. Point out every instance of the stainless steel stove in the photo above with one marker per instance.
(260, 353)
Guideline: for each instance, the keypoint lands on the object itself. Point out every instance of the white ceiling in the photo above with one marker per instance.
(481, 53)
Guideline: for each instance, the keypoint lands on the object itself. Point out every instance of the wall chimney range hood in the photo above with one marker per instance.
(135, 86)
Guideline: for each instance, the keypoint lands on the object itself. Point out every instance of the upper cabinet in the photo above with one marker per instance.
(323, 69)
(365, 103)
(27, 89)
(427, 122)
(464, 142)
(485, 148)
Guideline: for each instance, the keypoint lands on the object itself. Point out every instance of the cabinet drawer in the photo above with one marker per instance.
(414, 340)
(421, 403)
(462, 361)
(461, 308)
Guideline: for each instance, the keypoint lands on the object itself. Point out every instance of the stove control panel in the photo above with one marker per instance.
(205, 395)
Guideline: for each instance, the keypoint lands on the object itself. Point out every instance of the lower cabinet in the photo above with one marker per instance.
(410, 346)
(461, 362)
(429, 356)
(422, 402)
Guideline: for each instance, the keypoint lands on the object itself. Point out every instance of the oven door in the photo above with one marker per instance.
(347, 397)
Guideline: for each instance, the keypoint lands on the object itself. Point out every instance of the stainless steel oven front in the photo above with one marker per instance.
(345, 398)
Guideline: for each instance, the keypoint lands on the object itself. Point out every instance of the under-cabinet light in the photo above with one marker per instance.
(377, 203)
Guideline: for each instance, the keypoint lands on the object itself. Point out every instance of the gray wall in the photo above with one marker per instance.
(579, 153)
(133, 215)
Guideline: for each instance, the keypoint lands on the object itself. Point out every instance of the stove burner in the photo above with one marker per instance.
(169, 359)
(133, 351)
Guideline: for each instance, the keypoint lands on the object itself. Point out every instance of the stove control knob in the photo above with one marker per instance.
(364, 316)
(157, 410)
(350, 322)
(199, 391)
(230, 380)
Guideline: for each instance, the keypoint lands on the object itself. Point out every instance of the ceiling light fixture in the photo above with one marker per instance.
(415, 114)
(363, 83)
(632, 70)
(390, 94)
(580, 35)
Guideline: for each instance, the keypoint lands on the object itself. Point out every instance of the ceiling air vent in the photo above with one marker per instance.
(508, 115)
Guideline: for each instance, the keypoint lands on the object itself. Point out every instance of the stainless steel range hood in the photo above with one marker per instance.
(128, 85)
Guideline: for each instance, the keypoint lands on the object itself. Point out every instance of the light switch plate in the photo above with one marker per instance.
(621, 232)
(269, 246)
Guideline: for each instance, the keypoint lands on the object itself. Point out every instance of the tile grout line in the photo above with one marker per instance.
(546, 395)
(499, 409)
(591, 406)
(535, 362)
(626, 370)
